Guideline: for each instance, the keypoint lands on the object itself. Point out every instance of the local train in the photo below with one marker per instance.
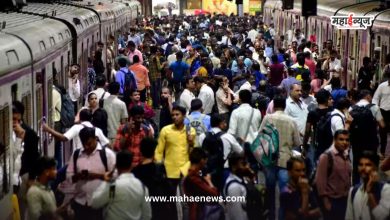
(37, 40)
(353, 45)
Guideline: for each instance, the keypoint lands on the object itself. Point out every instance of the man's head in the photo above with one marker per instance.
(199, 81)
(113, 88)
(295, 91)
(190, 84)
(218, 121)
(198, 157)
(137, 115)
(122, 62)
(179, 55)
(245, 96)
(136, 59)
(329, 44)
(135, 95)
(301, 59)
(46, 167)
(279, 103)
(131, 46)
(323, 97)
(85, 115)
(196, 105)
(341, 140)
(238, 164)
(333, 55)
(148, 146)
(291, 71)
(296, 168)
(343, 104)
(366, 94)
(88, 139)
(17, 112)
(366, 61)
(124, 160)
(100, 81)
(178, 115)
(368, 163)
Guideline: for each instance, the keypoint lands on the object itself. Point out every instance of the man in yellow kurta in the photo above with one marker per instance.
(174, 146)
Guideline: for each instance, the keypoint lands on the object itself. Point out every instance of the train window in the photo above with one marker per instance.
(60, 36)
(26, 100)
(12, 57)
(86, 21)
(14, 92)
(52, 41)
(67, 33)
(42, 45)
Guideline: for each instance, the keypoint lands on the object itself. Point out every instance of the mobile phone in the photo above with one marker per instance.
(84, 173)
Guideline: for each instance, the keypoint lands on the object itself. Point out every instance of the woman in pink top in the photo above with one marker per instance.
(317, 82)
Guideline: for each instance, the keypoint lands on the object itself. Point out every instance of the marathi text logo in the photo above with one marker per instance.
(352, 22)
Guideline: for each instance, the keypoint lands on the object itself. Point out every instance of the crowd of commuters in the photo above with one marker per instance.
(176, 111)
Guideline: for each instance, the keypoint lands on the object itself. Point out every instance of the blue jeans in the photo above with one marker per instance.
(155, 89)
(273, 174)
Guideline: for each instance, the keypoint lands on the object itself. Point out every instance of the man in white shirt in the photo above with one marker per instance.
(296, 108)
(74, 85)
(333, 65)
(125, 197)
(382, 99)
(369, 200)
(245, 120)
(73, 132)
(206, 94)
(100, 91)
(340, 116)
(252, 34)
(116, 111)
(187, 96)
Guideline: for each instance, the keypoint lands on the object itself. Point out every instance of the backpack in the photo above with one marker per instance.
(168, 49)
(265, 148)
(363, 128)
(256, 207)
(129, 80)
(213, 145)
(102, 154)
(324, 136)
(67, 110)
(199, 126)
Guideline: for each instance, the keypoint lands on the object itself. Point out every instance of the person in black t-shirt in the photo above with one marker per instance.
(297, 200)
(325, 103)
(365, 75)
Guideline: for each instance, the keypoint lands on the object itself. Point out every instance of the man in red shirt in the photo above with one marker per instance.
(141, 76)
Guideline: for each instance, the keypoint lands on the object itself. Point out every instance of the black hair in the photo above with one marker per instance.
(136, 110)
(124, 159)
(180, 109)
(148, 146)
(17, 107)
(179, 55)
(234, 159)
(188, 79)
(245, 96)
(130, 44)
(291, 71)
(85, 115)
(197, 154)
(196, 104)
(86, 133)
(256, 66)
(301, 59)
(136, 59)
(364, 93)
(343, 103)
(199, 79)
(216, 119)
(322, 96)
(372, 156)
(123, 62)
(113, 88)
(44, 163)
(274, 58)
(292, 160)
(340, 132)
(279, 102)
(101, 80)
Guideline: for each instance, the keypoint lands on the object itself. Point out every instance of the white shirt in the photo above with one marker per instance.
(252, 34)
(99, 93)
(116, 111)
(129, 200)
(230, 144)
(171, 58)
(185, 99)
(382, 96)
(245, 86)
(337, 123)
(206, 94)
(17, 152)
(73, 134)
(359, 209)
(333, 65)
(235, 210)
(298, 113)
(74, 89)
(240, 119)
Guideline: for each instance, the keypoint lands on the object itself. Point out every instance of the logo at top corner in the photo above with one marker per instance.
(352, 22)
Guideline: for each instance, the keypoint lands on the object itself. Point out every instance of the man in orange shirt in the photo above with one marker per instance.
(141, 75)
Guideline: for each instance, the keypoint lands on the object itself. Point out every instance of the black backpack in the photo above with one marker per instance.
(213, 145)
(67, 110)
(255, 200)
(129, 81)
(324, 136)
(363, 128)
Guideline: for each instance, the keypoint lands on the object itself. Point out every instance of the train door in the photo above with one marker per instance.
(40, 104)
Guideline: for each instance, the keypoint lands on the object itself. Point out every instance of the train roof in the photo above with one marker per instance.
(106, 10)
(13, 52)
(80, 18)
(43, 35)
